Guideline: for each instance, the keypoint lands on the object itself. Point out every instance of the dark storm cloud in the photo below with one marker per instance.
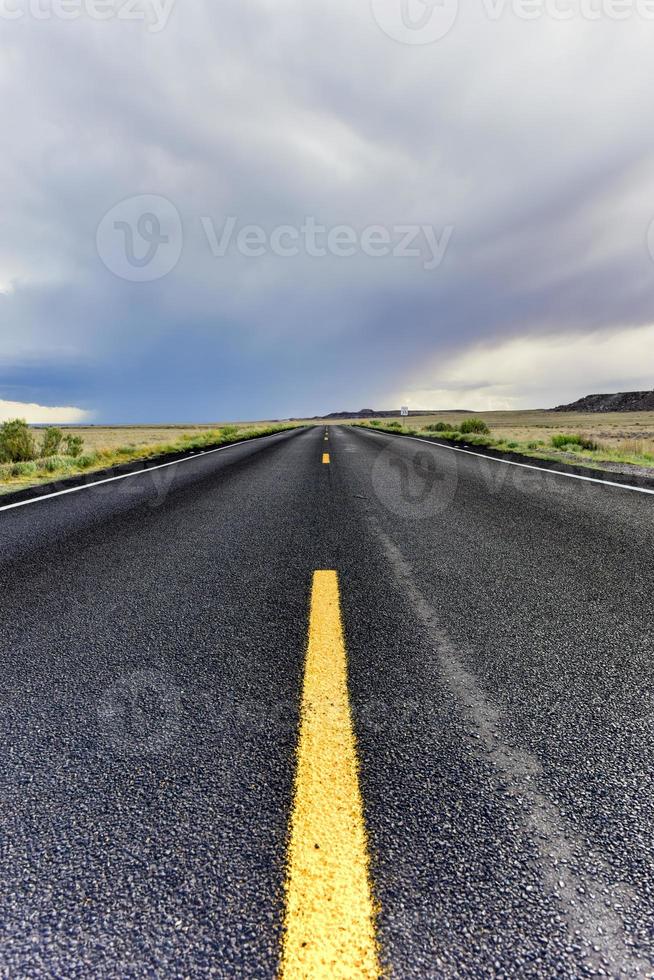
(528, 139)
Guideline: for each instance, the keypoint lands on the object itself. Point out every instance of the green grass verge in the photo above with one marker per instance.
(575, 449)
(17, 476)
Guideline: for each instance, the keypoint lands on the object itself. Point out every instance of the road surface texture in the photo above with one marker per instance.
(500, 674)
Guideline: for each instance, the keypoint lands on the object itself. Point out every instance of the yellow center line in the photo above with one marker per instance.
(330, 919)
(325, 457)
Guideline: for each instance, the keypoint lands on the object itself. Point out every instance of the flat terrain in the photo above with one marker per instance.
(112, 436)
(497, 623)
(612, 427)
(624, 440)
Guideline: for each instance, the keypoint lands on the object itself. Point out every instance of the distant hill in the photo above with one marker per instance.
(621, 401)
(369, 413)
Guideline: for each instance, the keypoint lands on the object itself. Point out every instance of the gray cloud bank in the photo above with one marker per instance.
(531, 140)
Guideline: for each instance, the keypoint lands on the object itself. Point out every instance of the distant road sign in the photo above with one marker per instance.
(404, 410)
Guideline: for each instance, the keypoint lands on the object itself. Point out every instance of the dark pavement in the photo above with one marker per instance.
(501, 662)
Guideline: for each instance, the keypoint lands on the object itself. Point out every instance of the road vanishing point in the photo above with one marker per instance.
(329, 703)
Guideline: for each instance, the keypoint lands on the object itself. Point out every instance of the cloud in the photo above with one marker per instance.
(529, 372)
(526, 136)
(35, 414)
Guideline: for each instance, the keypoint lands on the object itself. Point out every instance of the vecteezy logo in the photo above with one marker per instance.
(414, 485)
(140, 713)
(415, 21)
(140, 238)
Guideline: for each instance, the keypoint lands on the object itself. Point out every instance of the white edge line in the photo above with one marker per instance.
(124, 476)
(511, 462)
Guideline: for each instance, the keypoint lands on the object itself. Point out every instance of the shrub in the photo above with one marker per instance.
(16, 442)
(89, 459)
(590, 444)
(23, 469)
(228, 430)
(474, 440)
(474, 425)
(394, 425)
(572, 440)
(375, 422)
(54, 463)
(440, 427)
(559, 441)
(51, 442)
(73, 445)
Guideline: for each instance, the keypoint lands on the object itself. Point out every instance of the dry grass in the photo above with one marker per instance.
(98, 437)
(613, 426)
(624, 439)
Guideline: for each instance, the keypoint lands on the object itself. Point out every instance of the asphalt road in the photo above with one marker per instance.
(498, 625)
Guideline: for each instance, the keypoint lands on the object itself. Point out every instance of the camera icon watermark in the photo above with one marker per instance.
(140, 239)
(415, 21)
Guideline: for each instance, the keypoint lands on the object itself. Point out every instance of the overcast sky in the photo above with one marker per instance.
(441, 221)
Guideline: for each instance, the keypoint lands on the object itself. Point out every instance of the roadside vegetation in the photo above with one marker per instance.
(23, 455)
(600, 446)
(29, 457)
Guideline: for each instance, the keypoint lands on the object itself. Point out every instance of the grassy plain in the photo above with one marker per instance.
(99, 437)
(624, 440)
